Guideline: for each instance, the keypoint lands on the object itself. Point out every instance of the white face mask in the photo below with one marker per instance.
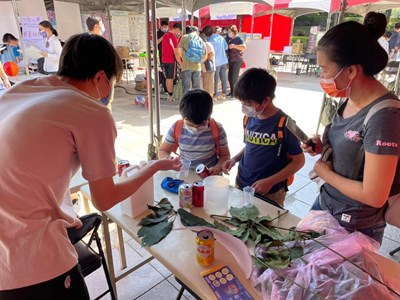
(102, 28)
(230, 34)
(250, 111)
(164, 29)
(196, 130)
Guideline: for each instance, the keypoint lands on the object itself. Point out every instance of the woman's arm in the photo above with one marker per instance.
(379, 172)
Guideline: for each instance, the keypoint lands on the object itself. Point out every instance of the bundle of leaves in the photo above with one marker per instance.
(271, 251)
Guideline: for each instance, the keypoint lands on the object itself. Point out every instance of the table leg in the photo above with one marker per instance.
(121, 246)
(109, 257)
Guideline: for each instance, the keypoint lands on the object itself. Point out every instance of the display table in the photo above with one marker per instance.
(177, 251)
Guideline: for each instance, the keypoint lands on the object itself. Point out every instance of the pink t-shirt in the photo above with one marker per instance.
(48, 129)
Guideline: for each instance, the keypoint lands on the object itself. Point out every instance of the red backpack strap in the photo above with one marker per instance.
(215, 133)
(177, 134)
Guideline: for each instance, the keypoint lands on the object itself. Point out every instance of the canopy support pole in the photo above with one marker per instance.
(15, 9)
(155, 68)
(148, 76)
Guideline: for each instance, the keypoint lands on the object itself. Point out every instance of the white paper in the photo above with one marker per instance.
(32, 52)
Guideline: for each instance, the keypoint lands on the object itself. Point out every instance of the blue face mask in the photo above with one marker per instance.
(43, 34)
(105, 100)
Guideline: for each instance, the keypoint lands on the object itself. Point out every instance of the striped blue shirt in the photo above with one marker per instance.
(198, 147)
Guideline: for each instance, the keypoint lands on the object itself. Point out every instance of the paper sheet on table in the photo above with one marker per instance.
(32, 52)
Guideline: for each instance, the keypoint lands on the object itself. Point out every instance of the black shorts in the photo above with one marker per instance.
(169, 70)
(70, 285)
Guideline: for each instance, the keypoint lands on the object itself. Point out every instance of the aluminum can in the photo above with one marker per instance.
(122, 164)
(205, 248)
(185, 192)
(198, 194)
(202, 171)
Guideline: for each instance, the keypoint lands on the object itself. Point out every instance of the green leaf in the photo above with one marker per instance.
(234, 222)
(151, 235)
(189, 219)
(295, 252)
(263, 219)
(164, 201)
(245, 235)
(273, 233)
(152, 219)
(221, 226)
(244, 213)
(253, 234)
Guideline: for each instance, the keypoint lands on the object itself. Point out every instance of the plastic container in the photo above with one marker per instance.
(216, 192)
(137, 203)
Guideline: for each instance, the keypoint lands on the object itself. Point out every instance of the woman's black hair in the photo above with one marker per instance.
(80, 61)
(196, 106)
(351, 43)
(255, 84)
(47, 24)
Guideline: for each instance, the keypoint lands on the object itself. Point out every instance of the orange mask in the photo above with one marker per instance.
(329, 87)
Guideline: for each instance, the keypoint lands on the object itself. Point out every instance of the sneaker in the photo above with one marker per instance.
(170, 98)
(221, 97)
(230, 95)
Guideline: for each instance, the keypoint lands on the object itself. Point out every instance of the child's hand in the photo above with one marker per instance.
(228, 165)
(262, 186)
(215, 170)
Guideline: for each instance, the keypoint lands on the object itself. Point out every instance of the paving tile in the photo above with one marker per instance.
(186, 294)
(387, 246)
(306, 194)
(164, 290)
(296, 207)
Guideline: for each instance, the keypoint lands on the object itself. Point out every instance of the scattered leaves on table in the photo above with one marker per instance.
(271, 251)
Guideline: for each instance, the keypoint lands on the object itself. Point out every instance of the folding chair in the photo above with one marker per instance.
(90, 259)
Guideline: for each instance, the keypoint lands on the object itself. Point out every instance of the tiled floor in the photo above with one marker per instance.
(298, 95)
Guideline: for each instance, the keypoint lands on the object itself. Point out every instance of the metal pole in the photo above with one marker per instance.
(148, 76)
(155, 63)
(21, 42)
(107, 5)
(183, 17)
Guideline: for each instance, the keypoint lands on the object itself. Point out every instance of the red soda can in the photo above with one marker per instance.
(198, 193)
(122, 164)
(202, 171)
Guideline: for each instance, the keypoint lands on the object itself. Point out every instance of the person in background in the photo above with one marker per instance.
(347, 70)
(11, 41)
(63, 123)
(52, 50)
(169, 44)
(224, 33)
(263, 162)
(221, 61)
(384, 41)
(196, 141)
(4, 78)
(95, 25)
(236, 47)
(394, 40)
(190, 70)
(217, 30)
(164, 28)
(208, 71)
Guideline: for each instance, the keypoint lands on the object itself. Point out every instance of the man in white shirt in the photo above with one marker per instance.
(49, 128)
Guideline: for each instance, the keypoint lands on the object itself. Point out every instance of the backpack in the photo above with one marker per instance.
(214, 131)
(281, 125)
(196, 49)
(393, 207)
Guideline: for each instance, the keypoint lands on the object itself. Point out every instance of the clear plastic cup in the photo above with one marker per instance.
(248, 195)
(184, 172)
